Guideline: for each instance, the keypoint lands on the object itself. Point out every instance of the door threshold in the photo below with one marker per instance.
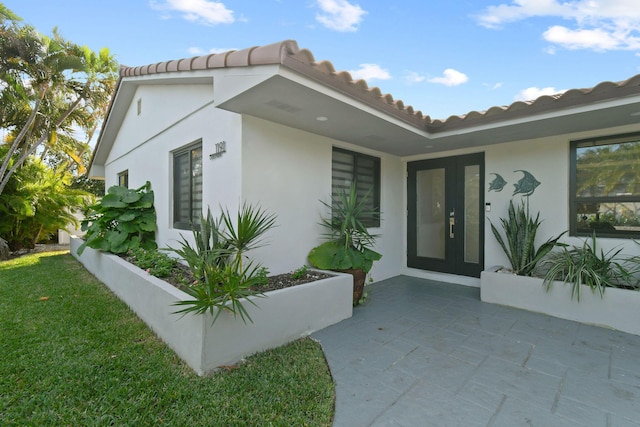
(442, 277)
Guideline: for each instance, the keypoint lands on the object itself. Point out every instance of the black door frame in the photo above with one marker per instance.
(454, 199)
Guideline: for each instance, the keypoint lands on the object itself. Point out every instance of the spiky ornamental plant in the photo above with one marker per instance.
(519, 242)
(586, 265)
(224, 275)
(349, 242)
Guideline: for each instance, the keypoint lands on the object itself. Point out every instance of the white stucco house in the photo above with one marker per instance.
(272, 126)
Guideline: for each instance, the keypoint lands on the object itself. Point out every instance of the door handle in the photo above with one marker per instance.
(452, 222)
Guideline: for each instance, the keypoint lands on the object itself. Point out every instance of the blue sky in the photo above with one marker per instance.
(443, 57)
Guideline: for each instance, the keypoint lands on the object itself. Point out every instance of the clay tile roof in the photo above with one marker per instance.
(571, 98)
(288, 54)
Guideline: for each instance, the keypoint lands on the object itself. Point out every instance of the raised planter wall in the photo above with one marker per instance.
(618, 309)
(280, 317)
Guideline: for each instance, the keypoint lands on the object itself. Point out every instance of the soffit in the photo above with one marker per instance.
(302, 105)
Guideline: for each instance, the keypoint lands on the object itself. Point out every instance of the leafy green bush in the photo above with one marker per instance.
(519, 243)
(263, 276)
(123, 219)
(156, 263)
(585, 266)
(224, 275)
(300, 272)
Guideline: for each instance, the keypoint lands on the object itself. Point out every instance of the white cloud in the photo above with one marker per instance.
(532, 93)
(199, 51)
(594, 24)
(339, 15)
(370, 72)
(495, 16)
(222, 49)
(195, 51)
(450, 77)
(597, 39)
(200, 11)
(494, 86)
(413, 77)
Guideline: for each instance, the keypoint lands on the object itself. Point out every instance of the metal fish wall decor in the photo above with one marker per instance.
(526, 185)
(498, 183)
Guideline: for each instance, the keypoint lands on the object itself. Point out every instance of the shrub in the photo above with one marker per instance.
(263, 276)
(36, 202)
(584, 265)
(300, 272)
(156, 263)
(123, 219)
(224, 275)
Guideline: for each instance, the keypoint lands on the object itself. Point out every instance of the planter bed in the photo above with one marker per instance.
(618, 309)
(280, 317)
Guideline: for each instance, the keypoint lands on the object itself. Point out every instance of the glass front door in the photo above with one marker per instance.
(445, 214)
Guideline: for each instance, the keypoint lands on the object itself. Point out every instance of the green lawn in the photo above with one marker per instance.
(73, 354)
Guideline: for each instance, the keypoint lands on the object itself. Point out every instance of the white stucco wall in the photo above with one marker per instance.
(161, 107)
(548, 160)
(184, 118)
(288, 172)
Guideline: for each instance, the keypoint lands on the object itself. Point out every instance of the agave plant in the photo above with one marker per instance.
(519, 242)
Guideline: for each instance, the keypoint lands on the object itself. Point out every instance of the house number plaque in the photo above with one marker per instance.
(221, 148)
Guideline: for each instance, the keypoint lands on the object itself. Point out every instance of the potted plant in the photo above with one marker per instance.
(349, 244)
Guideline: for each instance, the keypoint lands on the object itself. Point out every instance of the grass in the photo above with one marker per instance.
(73, 354)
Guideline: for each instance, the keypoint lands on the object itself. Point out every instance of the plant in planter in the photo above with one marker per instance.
(520, 230)
(585, 266)
(218, 261)
(123, 219)
(349, 243)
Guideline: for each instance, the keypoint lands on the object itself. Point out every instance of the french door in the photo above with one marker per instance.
(445, 202)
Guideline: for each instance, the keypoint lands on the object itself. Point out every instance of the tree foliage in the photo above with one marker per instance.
(609, 169)
(36, 203)
(51, 90)
(53, 94)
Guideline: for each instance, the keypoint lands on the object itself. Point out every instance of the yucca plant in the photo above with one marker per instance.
(218, 261)
(250, 226)
(519, 242)
(209, 248)
(349, 242)
(586, 266)
(222, 288)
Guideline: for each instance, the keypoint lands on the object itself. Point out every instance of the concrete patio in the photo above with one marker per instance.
(423, 353)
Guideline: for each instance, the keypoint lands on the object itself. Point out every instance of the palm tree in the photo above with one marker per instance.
(50, 86)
